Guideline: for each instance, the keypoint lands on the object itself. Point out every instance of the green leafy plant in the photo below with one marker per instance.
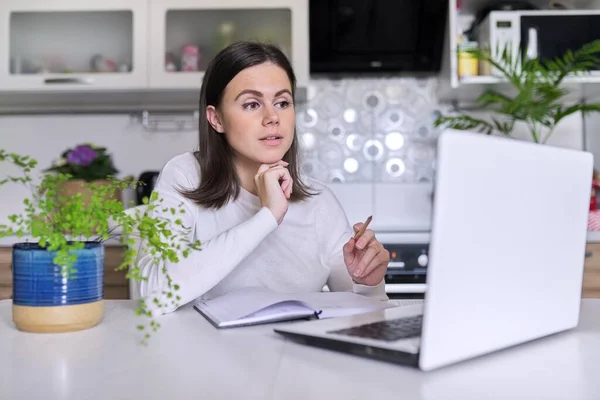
(85, 161)
(63, 223)
(540, 99)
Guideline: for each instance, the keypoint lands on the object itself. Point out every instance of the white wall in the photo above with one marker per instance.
(46, 137)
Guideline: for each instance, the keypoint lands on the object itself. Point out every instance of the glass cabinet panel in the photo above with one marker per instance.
(194, 37)
(65, 42)
(73, 45)
(186, 34)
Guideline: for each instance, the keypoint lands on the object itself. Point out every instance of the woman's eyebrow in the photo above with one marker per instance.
(259, 94)
(282, 91)
(249, 91)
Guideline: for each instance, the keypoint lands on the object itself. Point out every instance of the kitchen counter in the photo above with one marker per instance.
(189, 359)
(10, 240)
(592, 237)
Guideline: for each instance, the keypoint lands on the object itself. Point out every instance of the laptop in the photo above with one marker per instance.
(506, 258)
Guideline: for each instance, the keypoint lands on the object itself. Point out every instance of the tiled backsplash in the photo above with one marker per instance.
(369, 130)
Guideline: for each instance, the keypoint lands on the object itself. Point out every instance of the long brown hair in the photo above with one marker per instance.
(219, 182)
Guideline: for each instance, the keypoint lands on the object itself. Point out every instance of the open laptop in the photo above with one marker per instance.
(506, 258)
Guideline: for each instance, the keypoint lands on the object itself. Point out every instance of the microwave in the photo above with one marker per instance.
(541, 34)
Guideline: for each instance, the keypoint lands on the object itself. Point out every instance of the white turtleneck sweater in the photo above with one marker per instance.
(243, 246)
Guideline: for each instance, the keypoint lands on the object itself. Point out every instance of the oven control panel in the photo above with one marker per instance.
(408, 262)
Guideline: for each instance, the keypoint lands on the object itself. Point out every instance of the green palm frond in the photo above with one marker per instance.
(576, 63)
(539, 101)
(562, 112)
(466, 123)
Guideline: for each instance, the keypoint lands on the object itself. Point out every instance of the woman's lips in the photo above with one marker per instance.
(272, 140)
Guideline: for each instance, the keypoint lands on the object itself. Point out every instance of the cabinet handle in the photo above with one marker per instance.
(84, 81)
(588, 254)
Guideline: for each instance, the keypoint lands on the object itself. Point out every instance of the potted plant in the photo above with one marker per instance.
(84, 164)
(58, 264)
(539, 100)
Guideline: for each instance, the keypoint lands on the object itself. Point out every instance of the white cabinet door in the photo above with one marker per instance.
(73, 45)
(186, 34)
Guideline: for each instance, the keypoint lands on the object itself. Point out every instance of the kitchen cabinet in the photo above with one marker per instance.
(119, 46)
(73, 45)
(591, 276)
(116, 285)
(91, 46)
(186, 34)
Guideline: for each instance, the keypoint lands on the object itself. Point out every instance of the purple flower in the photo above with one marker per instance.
(81, 155)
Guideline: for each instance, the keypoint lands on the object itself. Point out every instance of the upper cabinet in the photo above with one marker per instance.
(186, 34)
(69, 45)
(127, 46)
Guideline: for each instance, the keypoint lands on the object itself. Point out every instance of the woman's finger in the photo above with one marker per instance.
(366, 260)
(363, 241)
(282, 174)
(266, 167)
(380, 260)
(279, 173)
(287, 188)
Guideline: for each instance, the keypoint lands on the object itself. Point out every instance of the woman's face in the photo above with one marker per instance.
(256, 115)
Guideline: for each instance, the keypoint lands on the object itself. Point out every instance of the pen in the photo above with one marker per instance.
(364, 227)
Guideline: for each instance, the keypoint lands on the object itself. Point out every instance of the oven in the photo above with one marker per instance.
(407, 270)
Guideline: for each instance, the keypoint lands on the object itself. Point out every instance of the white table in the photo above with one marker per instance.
(189, 359)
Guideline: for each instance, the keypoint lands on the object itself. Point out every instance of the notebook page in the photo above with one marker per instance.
(288, 310)
(240, 303)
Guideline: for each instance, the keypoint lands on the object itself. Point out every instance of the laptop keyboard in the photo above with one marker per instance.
(389, 330)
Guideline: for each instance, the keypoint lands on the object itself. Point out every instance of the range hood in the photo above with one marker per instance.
(354, 36)
(97, 101)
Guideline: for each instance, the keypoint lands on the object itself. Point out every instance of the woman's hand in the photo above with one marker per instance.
(366, 259)
(274, 186)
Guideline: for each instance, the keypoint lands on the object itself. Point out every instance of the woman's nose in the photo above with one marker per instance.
(270, 116)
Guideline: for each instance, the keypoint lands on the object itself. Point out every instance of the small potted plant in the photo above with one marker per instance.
(58, 264)
(539, 98)
(84, 164)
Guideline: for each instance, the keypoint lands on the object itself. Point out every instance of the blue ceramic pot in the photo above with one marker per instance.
(46, 301)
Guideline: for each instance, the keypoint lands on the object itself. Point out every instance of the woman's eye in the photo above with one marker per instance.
(251, 105)
(283, 104)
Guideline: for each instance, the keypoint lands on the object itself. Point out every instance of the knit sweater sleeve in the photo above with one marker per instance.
(334, 231)
(203, 269)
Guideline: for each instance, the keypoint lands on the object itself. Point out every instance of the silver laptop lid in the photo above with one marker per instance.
(507, 246)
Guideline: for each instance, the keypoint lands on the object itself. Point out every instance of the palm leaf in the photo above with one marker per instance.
(563, 112)
(465, 123)
(504, 127)
(540, 96)
(501, 59)
(490, 97)
(575, 63)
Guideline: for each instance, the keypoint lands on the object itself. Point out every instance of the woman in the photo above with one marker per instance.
(259, 221)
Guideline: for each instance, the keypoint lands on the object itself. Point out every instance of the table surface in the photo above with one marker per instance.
(189, 359)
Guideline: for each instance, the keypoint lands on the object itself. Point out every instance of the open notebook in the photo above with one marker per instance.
(256, 305)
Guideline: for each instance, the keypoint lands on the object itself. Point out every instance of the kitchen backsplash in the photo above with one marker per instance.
(363, 130)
